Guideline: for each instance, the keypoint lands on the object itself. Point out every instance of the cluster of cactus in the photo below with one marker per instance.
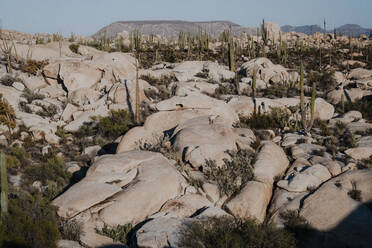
(4, 185)
(306, 123)
(137, 40)
(203, 40)
(182, 40)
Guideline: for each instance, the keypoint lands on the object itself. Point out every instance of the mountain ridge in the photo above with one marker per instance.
(171, 28)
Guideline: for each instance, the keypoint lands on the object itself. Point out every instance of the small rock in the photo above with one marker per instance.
(18, 86)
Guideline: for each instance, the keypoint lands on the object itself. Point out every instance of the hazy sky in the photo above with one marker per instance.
(85, 17)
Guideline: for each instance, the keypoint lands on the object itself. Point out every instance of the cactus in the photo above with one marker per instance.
(306, 124)
(343, 102)
(137, 110)
(231, 54)
(254, 83)
(264, 33)
(4, 185)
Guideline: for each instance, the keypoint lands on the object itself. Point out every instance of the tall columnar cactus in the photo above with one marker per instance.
(4, 185)
(254, 85)
(137, 110)
(307, 124)
(264, 33)
(343, 102)
(302, 98)
(231, 54)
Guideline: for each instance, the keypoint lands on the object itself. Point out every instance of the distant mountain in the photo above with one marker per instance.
(171, 28)
(348, 29)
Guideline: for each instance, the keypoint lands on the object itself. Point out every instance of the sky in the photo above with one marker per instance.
(85, 17)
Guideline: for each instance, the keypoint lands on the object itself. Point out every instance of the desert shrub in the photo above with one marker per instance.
(24, 107)
(48, 111)
(203, 74)
(324, 79)
(282, 90)
(31, 222)
(7, 115)
(338, 138)
(354, 193)
(8, 80)
(276, 119)
(20, 153)
(162, 145)
(164, 80)
(224, 232)
(232, 176)
(61, 132)
(109, 127)
(293, 220)
(74, 48)
(362, 105)
(52, 168)
(70, 229)
(32, 67)
(114, 125)
(31, 96)
(365, 163)
(162, 94)
(118, 233)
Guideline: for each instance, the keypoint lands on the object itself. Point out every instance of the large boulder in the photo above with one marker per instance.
(123, 188)
(172, 112)
(344, 222)
(265, 70)
(197, 140)
(360, 73)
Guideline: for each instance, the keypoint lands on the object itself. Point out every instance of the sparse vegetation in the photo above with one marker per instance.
(276, 119)
(70, 229)
(233, 174)
(354, 193)
(74, 48)
(32, 67)
(229, 232)
(7, 115)
(118, 233)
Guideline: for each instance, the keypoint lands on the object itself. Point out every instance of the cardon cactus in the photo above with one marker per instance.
(307, 124)
(231, 54)
(4, 185)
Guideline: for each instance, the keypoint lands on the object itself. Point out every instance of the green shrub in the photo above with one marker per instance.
(362, 105)
(32, 67)
(74, 48)
(8, 80)
(365, 163)
(30, 95)
(109, 127)
(20, 153)
(51, 169)
(114, 125)
(48, 111)
(324, 79)
(232, 176)
(118, 233)
(7, 115)
(30, 223)
(282, 90)
(354, 193)
(276, 119)
(338, 138)
(71, 229)
(228, 232)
